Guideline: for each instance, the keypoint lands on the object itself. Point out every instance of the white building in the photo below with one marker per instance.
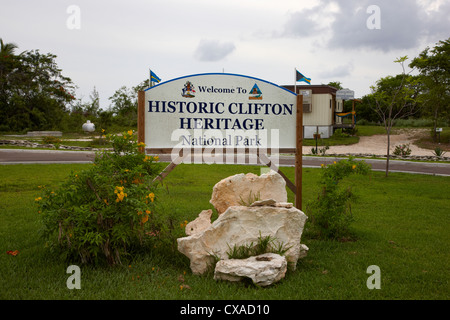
(322, 112)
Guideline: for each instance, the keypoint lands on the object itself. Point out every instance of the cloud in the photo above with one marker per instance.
(398, 21)
(213, 50)
(338, 72)
(403, 24)
(438, 21)
(309, 21)
(302, 24)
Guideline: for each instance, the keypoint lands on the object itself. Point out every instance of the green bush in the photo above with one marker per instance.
(105, 212)
(438, 152)
(402, 150)
(51, 140)
(339, 133)
(330, 214)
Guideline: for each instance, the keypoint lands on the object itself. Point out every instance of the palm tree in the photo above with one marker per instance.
(6, 60)
(7, 49)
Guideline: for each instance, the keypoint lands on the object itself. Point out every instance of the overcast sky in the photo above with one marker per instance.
(109, 44)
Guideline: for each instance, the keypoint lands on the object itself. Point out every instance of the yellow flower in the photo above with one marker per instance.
(148, 211)
(156, 158)
(334, 162)
(354, 166)
(184, 224)
(38, 199)
(144, 219)
(120, 194)
(130, 132)
(141, 144)
(103, 130)
(151, 196)
(322, 165)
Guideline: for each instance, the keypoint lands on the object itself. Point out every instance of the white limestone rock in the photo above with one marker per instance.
(303, 251)
(202, 222)
(234, 190)
(239, 226)
(264, 269)
(263, 203)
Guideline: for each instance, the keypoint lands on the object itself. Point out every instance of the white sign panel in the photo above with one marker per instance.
(345, 94)
(219, 110)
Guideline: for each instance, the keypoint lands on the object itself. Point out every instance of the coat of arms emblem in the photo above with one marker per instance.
(188, 91)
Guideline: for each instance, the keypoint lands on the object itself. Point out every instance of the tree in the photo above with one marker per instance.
(125, 103)
(336, 84)
(124, 106)
(93, 107)
(434, 67)
(395, 98)
(366, 110)
(7, 61)
(33, 91)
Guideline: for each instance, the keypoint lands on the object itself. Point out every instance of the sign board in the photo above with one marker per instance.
(218, 110)
(307, 96)
(345, 94)
(216, 113)
(307, 100)
(438, 129)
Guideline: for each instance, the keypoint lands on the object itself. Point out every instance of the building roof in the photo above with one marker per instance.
(316, 89)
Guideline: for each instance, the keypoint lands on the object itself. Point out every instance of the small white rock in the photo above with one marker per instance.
(264, 269)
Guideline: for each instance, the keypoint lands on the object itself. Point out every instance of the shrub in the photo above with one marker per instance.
(51, 140)
(402, 150)
(106, 211)
(330, 214)
(339, 133)
(438, 152)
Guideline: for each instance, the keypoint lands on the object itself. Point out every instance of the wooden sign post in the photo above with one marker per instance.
(299, 153)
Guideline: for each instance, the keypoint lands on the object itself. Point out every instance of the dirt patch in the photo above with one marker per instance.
(377, 144)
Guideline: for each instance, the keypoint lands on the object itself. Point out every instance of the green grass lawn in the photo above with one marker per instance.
(401, 223)
(336, 140)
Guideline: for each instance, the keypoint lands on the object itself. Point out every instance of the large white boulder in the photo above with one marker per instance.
(242, 226)
(246, 188)
(264, 269)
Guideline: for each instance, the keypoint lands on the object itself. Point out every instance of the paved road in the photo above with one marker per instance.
(22, 156)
